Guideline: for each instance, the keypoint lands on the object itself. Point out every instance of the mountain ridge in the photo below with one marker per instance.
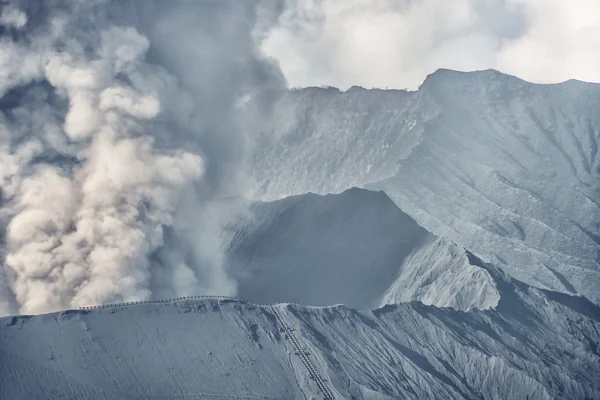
(505, 168)
(536, 343)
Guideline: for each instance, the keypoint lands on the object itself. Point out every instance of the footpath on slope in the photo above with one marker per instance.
(312, 370)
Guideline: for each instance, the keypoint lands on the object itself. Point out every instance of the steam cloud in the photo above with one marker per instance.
(119, 125)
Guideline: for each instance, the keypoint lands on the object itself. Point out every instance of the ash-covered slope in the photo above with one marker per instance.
(505, 168)
(349, 248)
(442, 274)
(535, 345)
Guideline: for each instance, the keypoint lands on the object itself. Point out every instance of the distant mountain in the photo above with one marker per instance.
(535, 344)
(355, 248)
(508, 169)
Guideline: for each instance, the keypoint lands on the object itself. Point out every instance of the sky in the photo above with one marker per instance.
(397, 43)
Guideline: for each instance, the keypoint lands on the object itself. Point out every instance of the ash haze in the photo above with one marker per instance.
(122, 124)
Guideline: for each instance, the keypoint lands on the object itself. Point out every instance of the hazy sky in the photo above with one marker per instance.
(396, 43)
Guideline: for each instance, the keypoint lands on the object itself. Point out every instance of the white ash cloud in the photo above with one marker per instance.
(117, 127)
(396, 43)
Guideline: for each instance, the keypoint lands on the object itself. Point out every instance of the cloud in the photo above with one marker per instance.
(396, 43)
(561, 42)
(12, 17)
(118, 126)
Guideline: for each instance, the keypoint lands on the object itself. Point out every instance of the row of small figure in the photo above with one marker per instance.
(179, 299)
(160, 301)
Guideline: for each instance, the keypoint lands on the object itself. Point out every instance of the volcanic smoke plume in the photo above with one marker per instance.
(118, 125)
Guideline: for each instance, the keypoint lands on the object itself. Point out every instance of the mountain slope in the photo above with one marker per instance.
(164, 351)
(350, 249)
(535, 344)
(505, 168)
(442, 274)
